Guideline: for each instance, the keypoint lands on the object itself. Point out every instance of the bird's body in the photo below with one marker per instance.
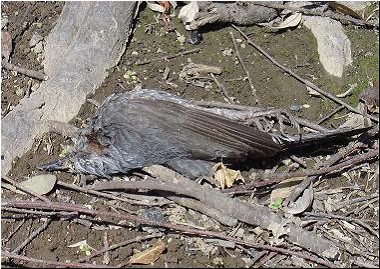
(144, 127)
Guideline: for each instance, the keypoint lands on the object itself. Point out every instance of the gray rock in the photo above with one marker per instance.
(334, 47)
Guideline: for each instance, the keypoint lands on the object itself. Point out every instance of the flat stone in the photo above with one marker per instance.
(334, 47)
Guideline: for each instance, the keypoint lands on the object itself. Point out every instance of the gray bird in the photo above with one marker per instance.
(144, 127)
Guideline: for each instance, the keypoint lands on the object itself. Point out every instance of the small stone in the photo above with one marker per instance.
(227, 52)
(4, 22)
(134, 53)
(20, 92)
(38, 48)
(35, 39)
(35, 87)
(295, 108)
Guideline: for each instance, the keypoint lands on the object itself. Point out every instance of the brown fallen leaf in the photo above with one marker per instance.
(227, 177)
(149, 255)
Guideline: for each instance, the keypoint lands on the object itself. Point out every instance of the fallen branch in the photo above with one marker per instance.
(305, 81)
(30, 73)
(167, 57)
(196, 205)
(68, 207)
(341, 18)
(248, 213)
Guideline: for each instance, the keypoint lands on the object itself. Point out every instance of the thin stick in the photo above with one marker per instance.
(106, 258)
(309, 172)
(14, 231)
(31, 237)
(30, 73)
(305, 81)
(167, 57)
(338, 17)
(184, 229)
(332, 113)
(119, 245)
(222, 89)
(65, 264)
(25, 189)
(244, 68)
(106, 195)
(342, 153)
(334, 216)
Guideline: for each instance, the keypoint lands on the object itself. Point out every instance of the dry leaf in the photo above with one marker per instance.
(355, 120)
(291, 21)
(348, 92)
(302, 203)
(284, 189)
(156, 7)
(312, 92)
(278, 230)
(83, 247)
(188, 12)
(149, 255)
(227, 177)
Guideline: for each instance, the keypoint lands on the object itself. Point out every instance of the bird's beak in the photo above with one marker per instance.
(58, 164)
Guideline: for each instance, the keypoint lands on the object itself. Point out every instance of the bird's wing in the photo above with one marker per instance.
(157, 125)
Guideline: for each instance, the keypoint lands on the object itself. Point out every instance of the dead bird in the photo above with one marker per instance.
(143, 127)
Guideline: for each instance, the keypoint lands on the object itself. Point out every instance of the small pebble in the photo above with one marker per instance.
(194, 37)
(296, 108)
(38, 48)
(36, 37)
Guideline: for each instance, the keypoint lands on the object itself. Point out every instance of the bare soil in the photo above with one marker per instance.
(294, 48)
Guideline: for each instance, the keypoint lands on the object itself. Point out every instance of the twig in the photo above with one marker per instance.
(181, 228)
(47, 263)
(342, 153)
(168, 56)
(25, 189)
(245, 69)
(14, 231)
(31, 237)
(319, 13)
(30, 73)
(222, 89)
(309, 172)
(40, 213)
(118, 245)
(106, 258)
(334, 216)
(332, 113)
(356, 200)
(305, 81)
(106, 195)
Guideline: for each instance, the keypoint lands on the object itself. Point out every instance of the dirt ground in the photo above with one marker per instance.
(294, 48)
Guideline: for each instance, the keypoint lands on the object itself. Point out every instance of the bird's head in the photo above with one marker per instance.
(82, 158)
